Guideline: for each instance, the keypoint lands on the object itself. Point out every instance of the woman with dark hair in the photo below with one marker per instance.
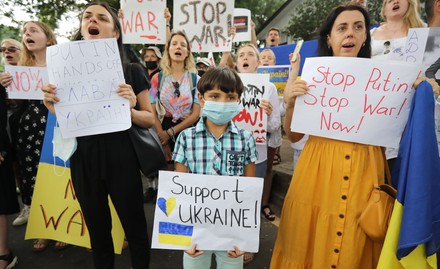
(106, 165)
(332, 180)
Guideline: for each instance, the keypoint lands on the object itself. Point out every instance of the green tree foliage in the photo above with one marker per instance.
(260, 10)
(307, 18)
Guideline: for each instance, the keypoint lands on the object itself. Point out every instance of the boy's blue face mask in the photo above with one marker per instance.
(220, 113)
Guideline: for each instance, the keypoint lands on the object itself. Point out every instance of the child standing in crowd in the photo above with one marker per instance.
(197, 150)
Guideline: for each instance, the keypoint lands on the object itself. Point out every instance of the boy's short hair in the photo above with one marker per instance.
(274, 29)
(225, 78)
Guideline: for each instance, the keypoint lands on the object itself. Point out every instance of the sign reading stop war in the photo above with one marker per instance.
(26, 82)
(87, 74)
(206, 23)
(355, 99)
(143, 21)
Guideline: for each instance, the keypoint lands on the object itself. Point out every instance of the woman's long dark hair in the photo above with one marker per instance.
(327, 25)
(116, 26)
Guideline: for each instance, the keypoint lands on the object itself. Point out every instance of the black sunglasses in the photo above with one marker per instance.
(10, 49)
(176, 88)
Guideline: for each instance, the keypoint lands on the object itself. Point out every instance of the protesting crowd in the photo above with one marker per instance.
(171, 112)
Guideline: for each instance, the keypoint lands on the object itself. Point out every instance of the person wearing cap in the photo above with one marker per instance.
(152, 56)
(202, 66)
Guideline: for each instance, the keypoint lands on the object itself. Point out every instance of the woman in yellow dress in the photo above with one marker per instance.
(333, 179)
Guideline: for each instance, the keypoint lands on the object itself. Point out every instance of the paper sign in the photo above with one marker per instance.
(143, 21)
(242, 23)
(206, 23)
(87, 74)
(55, 212)
(26, 82)
(415, 44)
(214, 212)
(252, 118)
(355, 99)
(279, 74)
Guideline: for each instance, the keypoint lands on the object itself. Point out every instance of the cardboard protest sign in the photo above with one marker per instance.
(143, 21)
(279, 74)
(355, 99)
(214, 212)
(55, 212)
(242, 23)
(87, 74)
(206, 23)
(252, 118)
(26, 82)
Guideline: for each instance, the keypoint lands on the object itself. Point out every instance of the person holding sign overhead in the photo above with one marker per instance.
(174, 90)
(106, 164)
(208, 148)
(332, 180)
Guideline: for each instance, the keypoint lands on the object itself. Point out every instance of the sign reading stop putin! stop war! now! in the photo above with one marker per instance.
(355, 99)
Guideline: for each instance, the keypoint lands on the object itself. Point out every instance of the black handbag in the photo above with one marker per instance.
(148, 149)
(146, 144)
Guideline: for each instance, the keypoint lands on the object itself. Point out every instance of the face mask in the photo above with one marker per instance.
(151, 65)
(63, 148)
(201, 72)
(221, 113)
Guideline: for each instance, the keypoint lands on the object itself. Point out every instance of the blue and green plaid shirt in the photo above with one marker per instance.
(203, 153)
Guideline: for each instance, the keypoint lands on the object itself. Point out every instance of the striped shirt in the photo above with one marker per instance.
(203, 153)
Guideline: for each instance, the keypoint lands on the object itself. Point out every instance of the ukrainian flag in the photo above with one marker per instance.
(413, 236)
(175, 234)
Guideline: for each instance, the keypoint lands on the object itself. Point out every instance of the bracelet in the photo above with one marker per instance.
(174, 131)
(168, 25)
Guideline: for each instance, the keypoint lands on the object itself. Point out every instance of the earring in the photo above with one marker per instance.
(363, 44)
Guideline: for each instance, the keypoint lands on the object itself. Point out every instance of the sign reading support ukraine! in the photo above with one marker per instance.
(214, 212)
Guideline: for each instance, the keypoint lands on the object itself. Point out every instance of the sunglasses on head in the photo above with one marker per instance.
(10, 49)
(176, 88)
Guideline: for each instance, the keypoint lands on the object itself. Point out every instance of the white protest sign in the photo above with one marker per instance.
(206, 23)
(143, 21)
(214, 212)
(355, 99)
(87, 74)
(242, 23)
(252, 118)
(415, 44)
(26, 82)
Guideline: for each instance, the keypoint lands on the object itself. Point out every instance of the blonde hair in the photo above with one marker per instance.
(27, 58)
(271, 53)
(12, 41)
(412, 16)
(165, 63)
(252, 46)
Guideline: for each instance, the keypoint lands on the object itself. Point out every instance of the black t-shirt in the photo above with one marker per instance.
(137, 78)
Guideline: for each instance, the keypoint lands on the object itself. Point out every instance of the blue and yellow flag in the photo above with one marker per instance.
(414, 233)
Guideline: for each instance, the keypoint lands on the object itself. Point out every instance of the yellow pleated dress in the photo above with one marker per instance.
(319, 221)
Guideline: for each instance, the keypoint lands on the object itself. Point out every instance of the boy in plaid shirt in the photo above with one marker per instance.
(216, 146)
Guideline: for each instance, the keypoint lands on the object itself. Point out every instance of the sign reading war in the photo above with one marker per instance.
(143, 21)
(206, 23)
(214, 212)
(355, 99)
(87, 74)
